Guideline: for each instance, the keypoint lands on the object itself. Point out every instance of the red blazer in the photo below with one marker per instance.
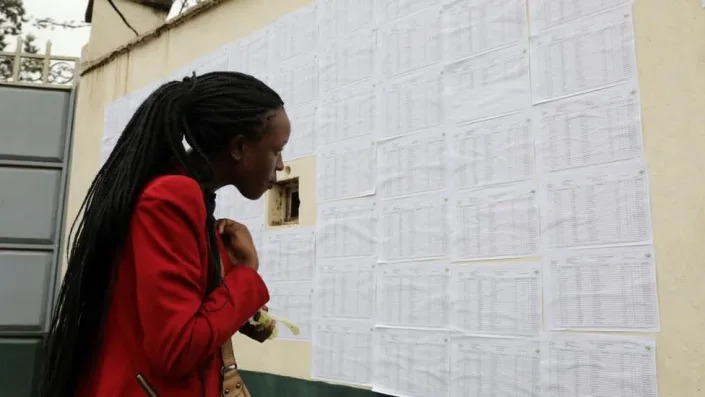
(159, 324)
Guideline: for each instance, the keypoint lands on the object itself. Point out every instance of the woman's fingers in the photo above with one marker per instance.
(272, 325)
(223, 224)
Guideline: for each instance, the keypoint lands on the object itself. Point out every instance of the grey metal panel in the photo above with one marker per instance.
(24, 288)
(60, 251)
(33, 123)
(29, 205)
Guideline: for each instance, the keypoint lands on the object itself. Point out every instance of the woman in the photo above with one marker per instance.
(143, 304)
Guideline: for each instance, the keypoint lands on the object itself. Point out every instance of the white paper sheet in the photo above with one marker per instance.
(489, 367)
(293, 302)
(391, 10)
(546, 14)
(414, 227)
(411, 362)
(290, 254)
(107, 147)
(236, 56)
(338, 18)
(596, 206)
(347, 60)
(342, 351)
(346, 170)
(184, 71)
(595, 365)
(296, 80)
(413, 294)
(495, 223)
(346, 228)
(409, 103)
(346, 113)
(136, 98)
(470, 28)
(230, 204)
(594, 128)
(494, 151)
(117, 115)
(215, 61)
(302, 141)
(253, 54)
(295, 34)
(487, 85)
(345, 288)
(496, 299)
(257, 230)
(412, 164)
(410, 43)
(604, 290)
(584, 55)
(248, 209)
(225, 200)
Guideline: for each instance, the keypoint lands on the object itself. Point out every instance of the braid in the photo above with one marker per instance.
(207, 111)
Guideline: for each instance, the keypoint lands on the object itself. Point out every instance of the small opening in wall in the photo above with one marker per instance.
(284, 203)
(295, 203)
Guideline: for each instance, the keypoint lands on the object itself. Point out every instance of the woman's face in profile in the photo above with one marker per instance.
(257, 161)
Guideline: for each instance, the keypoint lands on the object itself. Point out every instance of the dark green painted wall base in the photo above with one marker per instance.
(17, 360)
(18, 357)
(268, 385)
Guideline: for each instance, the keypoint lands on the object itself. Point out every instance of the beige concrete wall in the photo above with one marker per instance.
(671, 59)
(111, 32)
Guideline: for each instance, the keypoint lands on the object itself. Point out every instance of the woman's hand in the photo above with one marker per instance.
(258, 331)
(238, 242)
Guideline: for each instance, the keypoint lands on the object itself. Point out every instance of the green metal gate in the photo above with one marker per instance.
(36, 110)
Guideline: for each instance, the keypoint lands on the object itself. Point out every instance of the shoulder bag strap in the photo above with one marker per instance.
(233, 385)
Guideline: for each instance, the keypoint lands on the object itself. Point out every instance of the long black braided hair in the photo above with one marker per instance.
(207, 111)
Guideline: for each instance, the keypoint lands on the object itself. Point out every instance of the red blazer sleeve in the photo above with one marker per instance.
(180, 328)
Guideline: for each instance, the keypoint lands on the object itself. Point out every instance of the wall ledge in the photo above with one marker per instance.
(205, 5)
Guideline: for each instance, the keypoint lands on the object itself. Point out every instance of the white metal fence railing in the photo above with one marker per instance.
(25, 68)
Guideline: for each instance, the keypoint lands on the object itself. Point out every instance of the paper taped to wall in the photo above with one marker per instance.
(598, 365)
(347, 228)
(346, 170)
(409, 43)
(409, 103)
(494, 366)
(290, 254)
(292, 300)
(597, 206)
(345, 288)
(414, 227)
(546, 14)
(411, 362)
(349, 112)
(595, 128)
(611, 289)
(493, 151)
(487, 85)
(495, 223)
(584, 55)
(496, 299)
(471, 28)
(412, 164)
(413, 294)
(342, 351)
